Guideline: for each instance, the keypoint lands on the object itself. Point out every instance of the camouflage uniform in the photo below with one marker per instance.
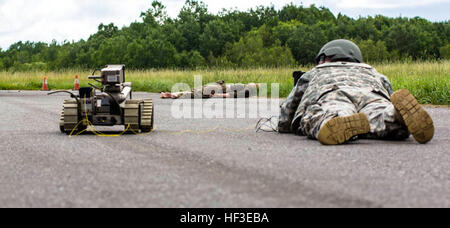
(341, 89)
(235, 90)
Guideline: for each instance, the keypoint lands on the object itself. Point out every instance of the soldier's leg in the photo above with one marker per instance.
(335, 119)
(340, 130)
(182, 95)
(414, 116)
(166, 95)
(334, 104)
(221, 95)
(382, 118)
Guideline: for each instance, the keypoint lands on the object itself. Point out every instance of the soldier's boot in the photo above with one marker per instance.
(418, 121)
(342, 129)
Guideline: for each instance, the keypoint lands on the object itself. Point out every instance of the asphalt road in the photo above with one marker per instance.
(227, 167)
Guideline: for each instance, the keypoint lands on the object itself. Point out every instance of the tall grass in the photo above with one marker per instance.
(428, 81)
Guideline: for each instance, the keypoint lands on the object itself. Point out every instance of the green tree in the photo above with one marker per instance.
(373, 51)
(174, 36)
(160, 53)
(306, 42)
(2, 64)
(66, 57)
(285, 30)
(233, 38)
(111, 51)
(366, 29)
(107, 31)
(445, 51)
(191, 21)
(134, 55)
(251, 51)
(216, 34)
(266, 15)
(157, 14)
(191, 59)
(411, 40)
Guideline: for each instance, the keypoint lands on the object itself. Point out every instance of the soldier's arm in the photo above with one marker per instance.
(386, 83)
(289, 107)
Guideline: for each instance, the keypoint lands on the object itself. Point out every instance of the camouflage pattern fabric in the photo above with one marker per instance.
(237, 90)
(209, 90)
(341, 89)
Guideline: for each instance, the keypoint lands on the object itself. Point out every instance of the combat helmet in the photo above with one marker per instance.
(341, 50)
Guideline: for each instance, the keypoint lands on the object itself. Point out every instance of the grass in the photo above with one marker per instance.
(428, 81)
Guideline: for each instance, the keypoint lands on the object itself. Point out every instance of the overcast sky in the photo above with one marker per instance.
(44, 20)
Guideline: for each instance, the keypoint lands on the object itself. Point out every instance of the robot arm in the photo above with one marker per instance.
(126, 91)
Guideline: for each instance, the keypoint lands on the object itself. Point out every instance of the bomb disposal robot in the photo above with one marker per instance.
(107, 106)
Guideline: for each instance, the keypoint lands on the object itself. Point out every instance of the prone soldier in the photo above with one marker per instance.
(343, 99)
(220, 89)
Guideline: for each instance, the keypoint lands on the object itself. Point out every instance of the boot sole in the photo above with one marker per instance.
(341, 129)
(418, 121)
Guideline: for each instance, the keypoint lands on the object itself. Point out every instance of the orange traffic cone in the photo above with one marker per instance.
(76, 84)
(45, 85)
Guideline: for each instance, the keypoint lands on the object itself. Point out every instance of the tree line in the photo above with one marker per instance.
(260, 37)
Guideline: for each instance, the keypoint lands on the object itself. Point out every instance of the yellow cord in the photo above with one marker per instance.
(95, 131)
